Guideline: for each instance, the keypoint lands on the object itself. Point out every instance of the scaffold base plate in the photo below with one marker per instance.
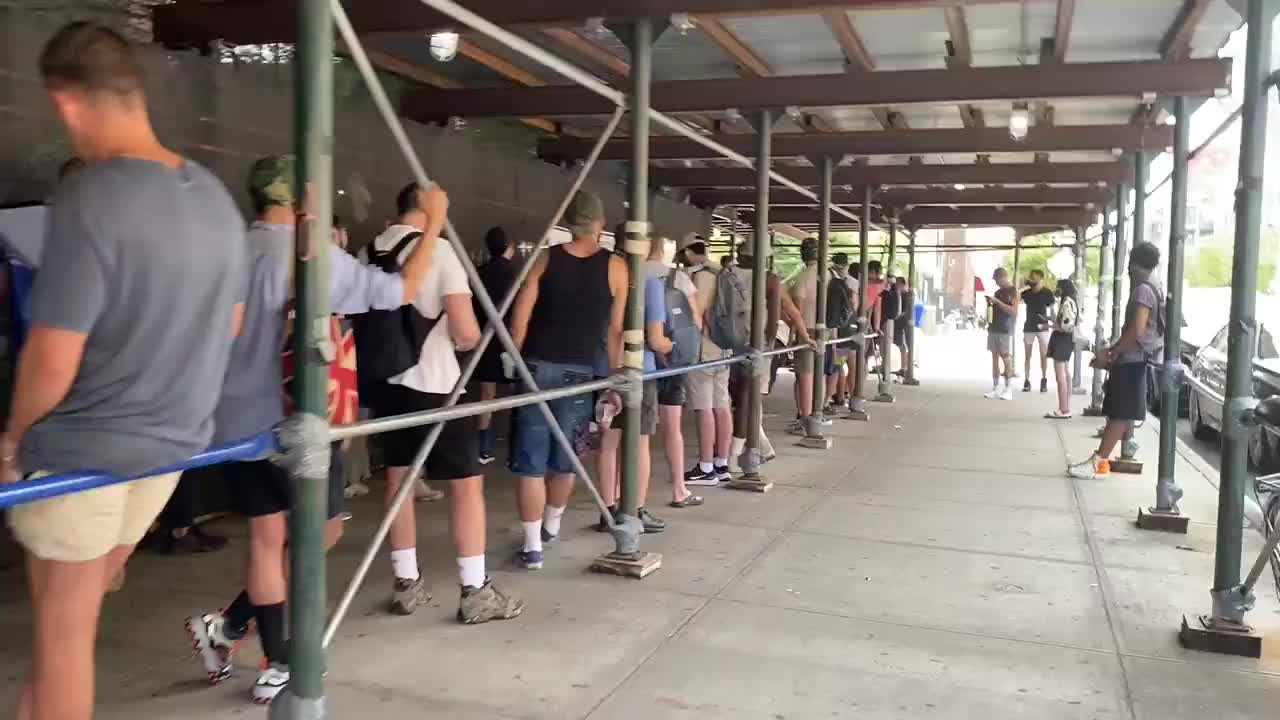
(753, 484)
(883, 398)
(861, 415)
(638, 567)
(1151, 519)
(911, 382)
(1196, 634)
(1129, 467)
(815, 443)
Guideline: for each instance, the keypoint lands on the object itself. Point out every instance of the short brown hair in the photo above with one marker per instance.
(87, 56)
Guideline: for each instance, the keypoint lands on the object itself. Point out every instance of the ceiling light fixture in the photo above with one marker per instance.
(959, 186)
(1019, 122)
(682, 22)
(444, 46)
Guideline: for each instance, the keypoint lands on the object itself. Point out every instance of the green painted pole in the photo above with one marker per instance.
(909, 372)
(1120, 269)
(821, 332)
(313, 143)
(1129, 445)
(759, 296)
(884, 390)
(858, 398)
(1105, 271)
(1167, 491)
(1077, 369)
(636, 246)
(1228, 604)
(1017, 339)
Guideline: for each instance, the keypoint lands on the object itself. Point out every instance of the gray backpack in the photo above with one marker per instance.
(729, 317)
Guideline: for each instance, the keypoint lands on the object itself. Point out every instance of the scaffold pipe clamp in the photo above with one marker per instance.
(637, 238)
(304, 446)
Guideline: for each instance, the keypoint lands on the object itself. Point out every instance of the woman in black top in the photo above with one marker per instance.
(1062, 344)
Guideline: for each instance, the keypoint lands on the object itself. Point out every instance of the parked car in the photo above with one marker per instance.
(1209, 371)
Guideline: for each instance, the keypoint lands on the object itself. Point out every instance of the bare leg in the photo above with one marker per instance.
(404, 529)
(995, 370)
(488, 391)
(1027, 360)
(1007, 359)
(266, 580)
(1044, 359)
(559, 489)
(531, 498)
(673, 445)
(804, 393)
(1112, 434)
(707, 435)
(724, 431)
(467, 516)
(607, 466)
(66, 599)
(1064, 387)
(643, 465)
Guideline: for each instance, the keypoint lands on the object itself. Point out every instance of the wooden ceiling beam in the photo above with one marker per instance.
(911, 197)
(1176, 44)
(749, 63)
(1107, 173)
(1062, 29)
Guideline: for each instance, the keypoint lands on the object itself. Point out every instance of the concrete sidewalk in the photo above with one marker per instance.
(935, 563)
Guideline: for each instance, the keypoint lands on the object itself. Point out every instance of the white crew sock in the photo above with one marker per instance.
(404, 564)
(708, 467)
(471, 571)
(532, 536)
(720, 461)
(551, 519)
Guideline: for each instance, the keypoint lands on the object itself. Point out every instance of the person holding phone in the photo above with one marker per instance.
(1004, 312)
(1062, 344)
(1035, 330)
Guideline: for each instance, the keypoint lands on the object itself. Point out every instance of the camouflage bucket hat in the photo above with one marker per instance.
(272, 180)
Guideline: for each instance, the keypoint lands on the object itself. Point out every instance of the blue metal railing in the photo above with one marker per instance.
(43, 488)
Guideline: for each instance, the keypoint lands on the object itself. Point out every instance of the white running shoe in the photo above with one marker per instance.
(423, 492)
(1007, 394)
(209, 640)
(355, 490)
(270, 683)
(1090, 469)
(796, 427)
(994, 394)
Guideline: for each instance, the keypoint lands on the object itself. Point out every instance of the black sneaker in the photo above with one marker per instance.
(1044, 384)
(1026, 386)
(722, 473)
(603, 525)
(651, 524)
(696, 476)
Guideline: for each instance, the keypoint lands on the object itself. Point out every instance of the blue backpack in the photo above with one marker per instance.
(680, 325)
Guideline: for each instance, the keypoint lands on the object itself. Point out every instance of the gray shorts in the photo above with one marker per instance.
(1000, 343)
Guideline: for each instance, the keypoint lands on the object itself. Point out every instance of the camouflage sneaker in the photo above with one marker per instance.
(408, 595)
(482, 604)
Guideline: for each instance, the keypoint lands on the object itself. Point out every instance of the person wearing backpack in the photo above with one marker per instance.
(253, 400)
(708, 390)
(803, 289)
(1141, 340)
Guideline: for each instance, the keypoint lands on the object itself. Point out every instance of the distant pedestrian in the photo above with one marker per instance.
(1062, 344)
(1004, 312)
(1035, 329)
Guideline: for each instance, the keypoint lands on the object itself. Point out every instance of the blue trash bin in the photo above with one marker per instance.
(919, 316)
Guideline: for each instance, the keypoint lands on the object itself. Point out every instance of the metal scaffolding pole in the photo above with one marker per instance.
(1120, 257)
(1231, 600)
(313, 145)
(640, 39)
(909, 371)
(1013, 346)
(857, 398)
(1167, 491)
(757, 372)
(813, 424)
(884, 389)
(1100, 324)
(1077, 357)
(1129, 446)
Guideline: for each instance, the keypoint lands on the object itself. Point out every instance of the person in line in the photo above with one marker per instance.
(1062, 344)
(890, 307)
(498, 275)
(903, 324)
(253, 399)
(1126, 361)
(850, 276)
(444, 301)
(778, 305)
(1004, 312)
(132, 316)
(576, 294)
(672, 391)
(1039, 301)
(656, 343)
(708, 390)
(803, 290)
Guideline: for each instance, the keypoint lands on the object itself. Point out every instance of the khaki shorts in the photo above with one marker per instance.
(708, 389)
(88, 525)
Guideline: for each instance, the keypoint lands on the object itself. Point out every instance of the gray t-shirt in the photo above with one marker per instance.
(253, 396)
(148, 261)
(1150, 340)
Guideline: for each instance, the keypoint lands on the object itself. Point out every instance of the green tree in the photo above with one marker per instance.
(1210, 265)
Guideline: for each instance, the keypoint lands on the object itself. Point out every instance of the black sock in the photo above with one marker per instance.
(238, 614)
(271, 632)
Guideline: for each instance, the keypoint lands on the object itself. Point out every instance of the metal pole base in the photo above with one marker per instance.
(1093, 411)
(1208, 634)
(820, 442)
(288, 706)
(637, 565)
(911, 382)
(1127, 466)
(1128, 447)
(752, 481)
(1162, 520)
(883, 397)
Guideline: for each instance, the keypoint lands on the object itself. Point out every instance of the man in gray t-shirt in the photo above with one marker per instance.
(139, 293)
(1126, 361)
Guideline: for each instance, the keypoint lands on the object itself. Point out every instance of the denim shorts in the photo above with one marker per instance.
(534, 450)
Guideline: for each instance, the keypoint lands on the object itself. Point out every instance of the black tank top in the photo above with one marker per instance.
(572, 313)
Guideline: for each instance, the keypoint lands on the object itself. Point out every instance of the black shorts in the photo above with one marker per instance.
(1061, 346)
(490, 368)
(648, 410)
(671, 391)
(260, 487)
(1126, 392)
(456, 454)
(902, 331)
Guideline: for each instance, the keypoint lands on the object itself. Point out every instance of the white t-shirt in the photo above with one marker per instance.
(437, 370)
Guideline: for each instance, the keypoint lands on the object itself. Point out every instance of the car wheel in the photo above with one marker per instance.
(1198, 428)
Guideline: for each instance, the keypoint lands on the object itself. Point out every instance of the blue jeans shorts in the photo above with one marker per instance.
(534, 450)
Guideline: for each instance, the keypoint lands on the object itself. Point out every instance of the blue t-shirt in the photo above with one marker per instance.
(655, 308)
